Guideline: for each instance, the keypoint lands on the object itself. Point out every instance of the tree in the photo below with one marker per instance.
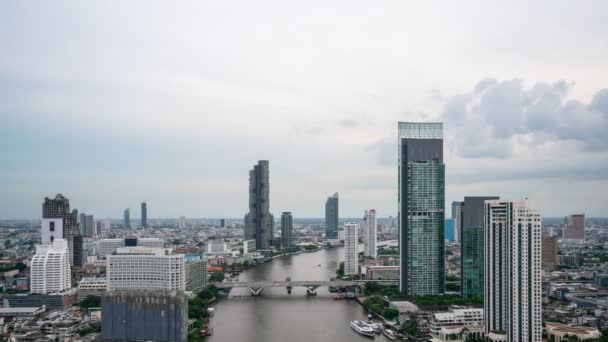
(340, 270)
(217, 277)
(410, 327)
(391, 313)
(195, 308)
(21, 266)
(90, 302)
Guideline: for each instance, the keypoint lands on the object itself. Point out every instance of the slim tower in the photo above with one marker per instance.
(331, 217)
(351, 253)
(370, 234)
(421, 209)
(259, 223)
(58, 208)
(126, 219)
(512, 250)
(144, 215)
(286, 229)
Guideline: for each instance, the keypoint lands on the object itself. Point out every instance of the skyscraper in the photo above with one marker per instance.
(55, 209)
(182, 222)
(512, 299)
(144, 215)
(75, 215)
(351, 252)
(449, 230)
(421, 209)
(331, 217)
(50, 268)
(471, 244)
(549, 253)
(259, 223)
(574, 227)
(286, 229)
(370, 234)
(457, 217)
(126, 219)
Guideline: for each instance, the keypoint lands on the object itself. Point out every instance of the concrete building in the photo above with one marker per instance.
(332, 206)
(216, 246)
(421, 209)
(144, 315)
(145, 268)
(196, 273)
(456, 324)
(259, 223)
(108, 246)
(50, 268)
(574, 227)
(182, 222)
(370, 234)
(248, 246)
(557, 332)
(549, 251)
(126, 219)
(150, 242)
(512, 271)
(286, 229)
(381, 272)
(144, 215)
(59, 208)
(103, 227)
(351, 252)
(89, 286)
(471, 245)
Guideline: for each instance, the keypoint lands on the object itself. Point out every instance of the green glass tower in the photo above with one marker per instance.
(421, 209)
(471, 254)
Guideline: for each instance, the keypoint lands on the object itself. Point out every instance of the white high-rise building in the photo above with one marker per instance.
(182, 222)
(512, 251)
(370, 234)
(50, 268)
(145, 268)
(351, 253)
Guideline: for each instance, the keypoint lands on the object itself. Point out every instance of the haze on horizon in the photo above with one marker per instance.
(112, 103)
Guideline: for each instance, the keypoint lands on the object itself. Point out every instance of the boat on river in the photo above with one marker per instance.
(391, 335)
(362, 328)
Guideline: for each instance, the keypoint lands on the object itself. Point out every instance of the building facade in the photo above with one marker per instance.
(449, 230)
(574, 227)
(512, 272)
(549, 251)
(259, 223)
(331, 217)
(457, 218)
(59, 208)
(144, 315)
(421, 209)
(196, 274)
(286, 229)
(471, 245)
(145, 268)
(370, 234)
(455, 324)
(91, 287)
(351, 251)
(50, 268)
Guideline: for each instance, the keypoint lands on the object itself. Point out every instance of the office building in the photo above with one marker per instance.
(182, 222)
(259, 223)
(457, 217)
(449, 230)
(144, 215)
(471, 245)
(75, 215)
(421, 209)
(286, 229)
(370, 234)
(126, 219)
(331, 217)
(512, 271)
(91, 287)
(574, 227)
(50, 268)
(144, 315)
(248, 246)
(549, 252)
(103, 227)
(222, 223)
(109, 246)
(57, 210)
(89, 230)
(216, 246)
(456, 324)
(351, 251)
(196, 273)
(145, 268)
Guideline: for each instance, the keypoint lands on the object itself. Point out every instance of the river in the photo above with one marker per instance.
(276, 316)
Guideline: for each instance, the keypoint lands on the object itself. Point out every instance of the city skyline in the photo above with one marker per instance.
(182, 116)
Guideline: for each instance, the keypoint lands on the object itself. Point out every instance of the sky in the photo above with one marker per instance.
(117, 102)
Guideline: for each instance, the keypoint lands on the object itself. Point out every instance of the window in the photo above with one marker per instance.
(52, 226)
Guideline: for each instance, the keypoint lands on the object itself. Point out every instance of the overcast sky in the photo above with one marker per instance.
(116, 102)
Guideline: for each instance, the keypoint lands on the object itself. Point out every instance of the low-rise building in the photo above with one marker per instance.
(382, 272)
(456, 324)
(557, 331)
(91, 287)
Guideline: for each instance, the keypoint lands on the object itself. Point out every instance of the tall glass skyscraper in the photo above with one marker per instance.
(127, 219)
(471, 242)
(331, 217)
(259, 223)
(286, 229)
(144, 215)
(421, 209)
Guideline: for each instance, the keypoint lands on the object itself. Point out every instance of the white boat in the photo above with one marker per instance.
(376, 326)
(390, 334)
(362, 328)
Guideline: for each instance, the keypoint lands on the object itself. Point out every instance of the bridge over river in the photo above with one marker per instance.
(311, 285)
